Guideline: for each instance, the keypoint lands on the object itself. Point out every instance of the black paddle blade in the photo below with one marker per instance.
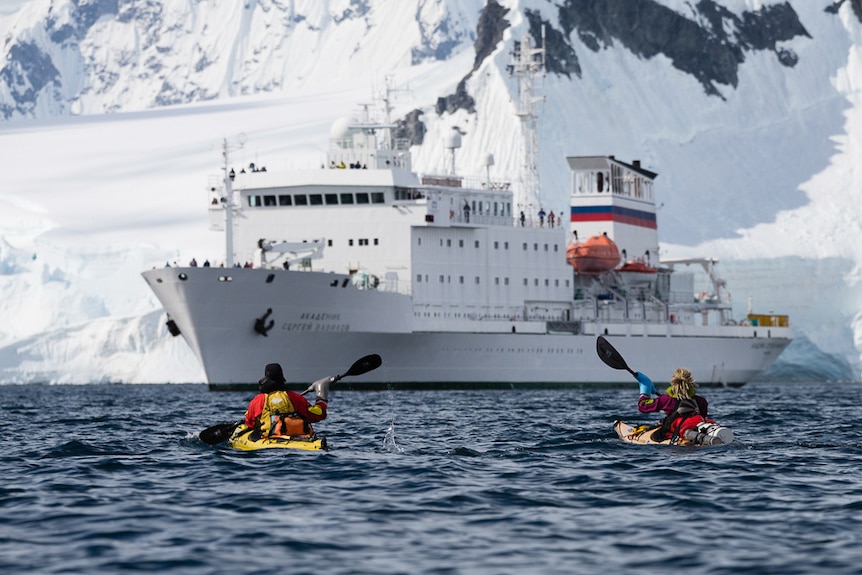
(218, 433)
(609, 355)
(364, 365)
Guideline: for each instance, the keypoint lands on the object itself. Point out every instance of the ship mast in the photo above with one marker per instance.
(527, 63)
(229, 176)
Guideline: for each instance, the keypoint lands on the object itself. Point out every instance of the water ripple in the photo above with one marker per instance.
(442, 483)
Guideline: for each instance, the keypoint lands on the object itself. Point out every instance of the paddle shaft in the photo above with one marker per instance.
(360, 366)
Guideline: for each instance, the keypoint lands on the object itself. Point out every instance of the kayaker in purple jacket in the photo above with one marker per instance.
(682, 386)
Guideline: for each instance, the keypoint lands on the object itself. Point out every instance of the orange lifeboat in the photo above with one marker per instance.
(637, 272)
(637, 266)
(594, 256)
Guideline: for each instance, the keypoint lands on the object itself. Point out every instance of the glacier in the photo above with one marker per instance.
(107, 164)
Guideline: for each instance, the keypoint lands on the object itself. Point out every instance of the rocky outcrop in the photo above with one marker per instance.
(855, 4)
(489, 34)
(710, 47)
(27, 71)
(560, 58)
(411, 128)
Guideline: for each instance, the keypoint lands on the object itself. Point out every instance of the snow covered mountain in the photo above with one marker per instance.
(111, 112)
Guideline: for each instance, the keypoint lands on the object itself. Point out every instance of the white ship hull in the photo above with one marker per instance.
(314, 333)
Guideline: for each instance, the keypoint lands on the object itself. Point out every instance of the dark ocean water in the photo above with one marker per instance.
(113, 479)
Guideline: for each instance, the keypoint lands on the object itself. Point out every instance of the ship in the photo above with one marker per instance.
(447, 279)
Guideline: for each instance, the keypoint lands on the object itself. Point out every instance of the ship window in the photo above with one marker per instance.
(300, 200)
(376, 242)
(362, 198)
(225, 278)
(349, 242)
(331, 199)
(449, 243)
(505, 281)
(253, 201)
(556, 283)
(556, 248)
(600, 181)
(441, 278)
(315, 199)
(496, 245)
(419, 278)
(477, 280)
(346, 198)
(536, 282)
(525, 246)
(183, 276)
(269, 200)
(476, 243)
(378, 198)
(547, 283)
(441, 242)
(505, 245)
(329, 243)
(460, 279)
(460, 243)
(546, 247)
(269, 278)
(284, 200)
(525, 281)
(418, 241)
(497, 281)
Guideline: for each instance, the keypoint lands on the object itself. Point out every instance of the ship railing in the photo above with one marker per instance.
(480, 219)
(399, 286)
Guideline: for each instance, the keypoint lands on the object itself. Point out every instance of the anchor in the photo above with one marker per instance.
(260, 325)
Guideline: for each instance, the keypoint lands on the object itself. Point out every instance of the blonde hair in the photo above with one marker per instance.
(682, 383)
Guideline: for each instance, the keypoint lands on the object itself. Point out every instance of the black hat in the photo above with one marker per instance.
(273, 378)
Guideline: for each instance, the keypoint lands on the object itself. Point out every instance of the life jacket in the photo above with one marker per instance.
(280, 418)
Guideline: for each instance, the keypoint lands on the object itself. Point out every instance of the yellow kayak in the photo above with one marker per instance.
(241, 440)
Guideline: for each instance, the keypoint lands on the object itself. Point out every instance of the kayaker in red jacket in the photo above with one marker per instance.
(684, 409)
(277, 411)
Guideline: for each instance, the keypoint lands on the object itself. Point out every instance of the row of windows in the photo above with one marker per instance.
(420, 278)
(448, 243)
(343, 198)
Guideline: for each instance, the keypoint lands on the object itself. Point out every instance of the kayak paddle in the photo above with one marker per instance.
(360, 366)
(610, 356)
(223, 431)
(218, 433)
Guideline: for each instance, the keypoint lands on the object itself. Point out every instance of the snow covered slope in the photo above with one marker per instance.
(111, 114)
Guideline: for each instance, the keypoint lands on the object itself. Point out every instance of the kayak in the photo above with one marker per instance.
(706, 434)
(241, 439)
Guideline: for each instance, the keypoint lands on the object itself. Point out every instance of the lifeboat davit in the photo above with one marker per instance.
(594, 256)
